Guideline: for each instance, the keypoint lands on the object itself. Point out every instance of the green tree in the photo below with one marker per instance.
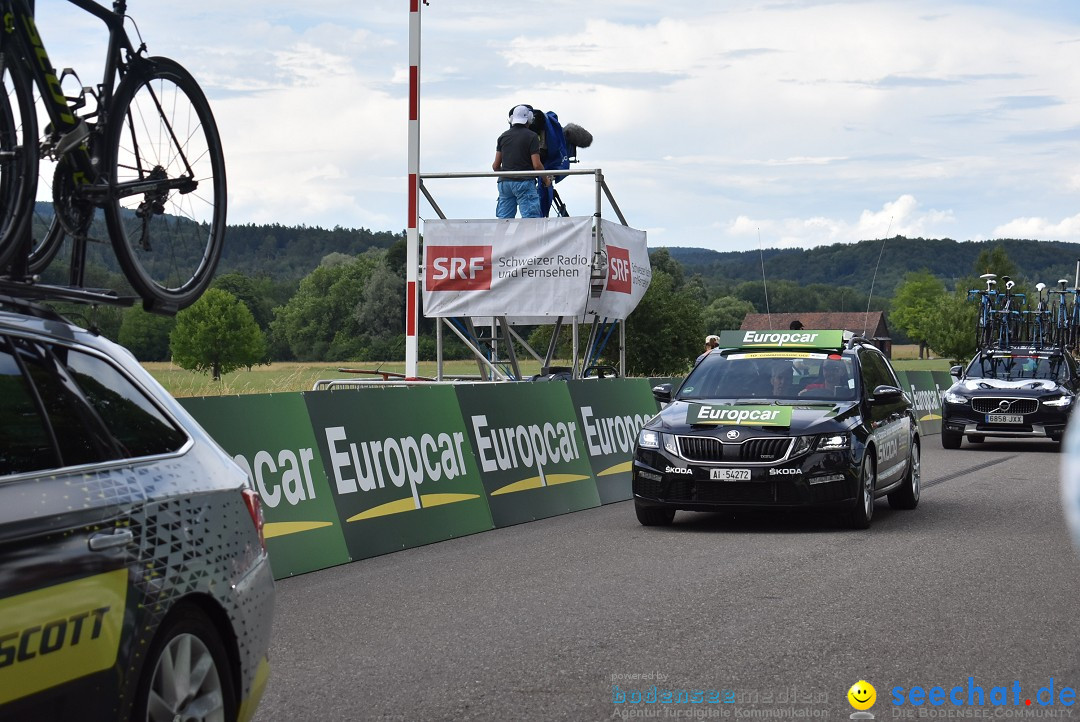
(256, 294)
(146, 334)
(664, 333)
(916, 305)
(951, 331)
(321, 314)
(995, 260)
(218, 334)
(726, 312)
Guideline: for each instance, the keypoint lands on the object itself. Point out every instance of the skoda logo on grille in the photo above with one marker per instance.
(733, 434)
(1004, 405)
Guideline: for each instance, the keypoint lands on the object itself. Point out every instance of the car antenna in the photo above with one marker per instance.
(761, 252)
(866, 318)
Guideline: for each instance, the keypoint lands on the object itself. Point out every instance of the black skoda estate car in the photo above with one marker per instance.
(1011, 393)
(780, 419)
(134, 581)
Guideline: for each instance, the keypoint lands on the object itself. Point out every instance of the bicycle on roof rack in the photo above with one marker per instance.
(147, 153)
(984, 328)
(1002, 323)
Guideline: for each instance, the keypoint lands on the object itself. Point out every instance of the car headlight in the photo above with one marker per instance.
(1062, 401)
(650, 439)
(803, 444)
(951, 398)
(833, 442)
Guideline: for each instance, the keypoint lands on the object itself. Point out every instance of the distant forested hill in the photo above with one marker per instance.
(852, 264)
(291, 252)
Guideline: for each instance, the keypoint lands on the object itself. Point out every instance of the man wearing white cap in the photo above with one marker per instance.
(518, 149)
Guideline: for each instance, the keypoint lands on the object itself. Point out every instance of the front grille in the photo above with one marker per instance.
(754, 451)
(701, 448)
(993, 405)
(745, 492)
(765, 449)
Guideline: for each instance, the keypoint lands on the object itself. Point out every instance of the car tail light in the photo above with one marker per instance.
(254, 505)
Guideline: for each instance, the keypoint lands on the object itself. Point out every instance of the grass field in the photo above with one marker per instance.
(294, 376)
(301, 376)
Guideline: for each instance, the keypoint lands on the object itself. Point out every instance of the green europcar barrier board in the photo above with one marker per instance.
(400, 466)
(924, 397)
(529, 449)
(610, 412)
(271, 436)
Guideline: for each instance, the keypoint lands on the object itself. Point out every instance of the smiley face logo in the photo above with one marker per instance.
(862, 695)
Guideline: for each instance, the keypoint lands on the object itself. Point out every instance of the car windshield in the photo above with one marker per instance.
(771, 375)
(1016, 368)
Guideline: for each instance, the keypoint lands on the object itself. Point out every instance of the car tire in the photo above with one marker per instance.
(951, 439)
(907, 496)
(187, 652)
(976, 438)
(862, 510)
(654, 515)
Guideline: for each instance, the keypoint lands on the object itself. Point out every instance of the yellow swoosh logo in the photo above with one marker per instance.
(617, 469)
(533, 482)
(400, 506)
(272, 529)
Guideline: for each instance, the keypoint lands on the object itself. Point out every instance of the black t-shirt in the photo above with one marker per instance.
(517, 146)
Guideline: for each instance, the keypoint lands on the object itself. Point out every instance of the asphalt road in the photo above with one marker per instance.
(775, 617)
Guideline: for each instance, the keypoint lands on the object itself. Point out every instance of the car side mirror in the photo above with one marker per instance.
(662, 393)
(956, 372)
(885, 392)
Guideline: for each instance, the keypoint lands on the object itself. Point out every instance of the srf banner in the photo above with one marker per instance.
(629, 271)
(529, 449)
(539, 267)
(610, 412)
(400, 466)
(270, 435)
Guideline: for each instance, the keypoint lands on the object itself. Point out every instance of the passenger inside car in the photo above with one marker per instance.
(835, 381)
(780, 380)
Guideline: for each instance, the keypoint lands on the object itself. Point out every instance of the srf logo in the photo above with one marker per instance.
(618, 280)
(458, 268)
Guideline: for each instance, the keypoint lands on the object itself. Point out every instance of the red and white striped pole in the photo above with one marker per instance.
(412, 235)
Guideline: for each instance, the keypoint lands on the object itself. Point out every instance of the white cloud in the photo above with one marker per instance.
(813, 122)
(1067, 229)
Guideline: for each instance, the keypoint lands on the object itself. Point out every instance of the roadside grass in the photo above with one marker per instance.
(280, 377)
(287, 376)
(905, 357)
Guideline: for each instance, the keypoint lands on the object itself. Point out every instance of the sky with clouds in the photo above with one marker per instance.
(727, 125)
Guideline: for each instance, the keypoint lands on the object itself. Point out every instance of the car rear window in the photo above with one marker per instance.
(27, 445)
(140, 427)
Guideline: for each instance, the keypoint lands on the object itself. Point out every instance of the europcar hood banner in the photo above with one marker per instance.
(629, 272)
(529, 448)
(400, 466)
(270, 435)
(610, 413)
(507, 266)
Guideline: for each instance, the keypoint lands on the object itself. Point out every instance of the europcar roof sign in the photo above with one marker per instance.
(802, 338)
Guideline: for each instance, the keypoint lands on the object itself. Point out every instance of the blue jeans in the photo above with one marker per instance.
(515, 194)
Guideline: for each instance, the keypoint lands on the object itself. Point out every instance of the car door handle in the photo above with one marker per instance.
(111, 540)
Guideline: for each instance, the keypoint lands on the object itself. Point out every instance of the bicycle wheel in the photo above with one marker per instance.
(18, 162)
(166, 214)
(46, 225)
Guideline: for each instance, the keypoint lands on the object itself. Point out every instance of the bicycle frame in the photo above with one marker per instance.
(70, 131)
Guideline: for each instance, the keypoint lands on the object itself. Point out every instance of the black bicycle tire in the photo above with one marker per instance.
(157, 296)
(17, 195)
(42, 253)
